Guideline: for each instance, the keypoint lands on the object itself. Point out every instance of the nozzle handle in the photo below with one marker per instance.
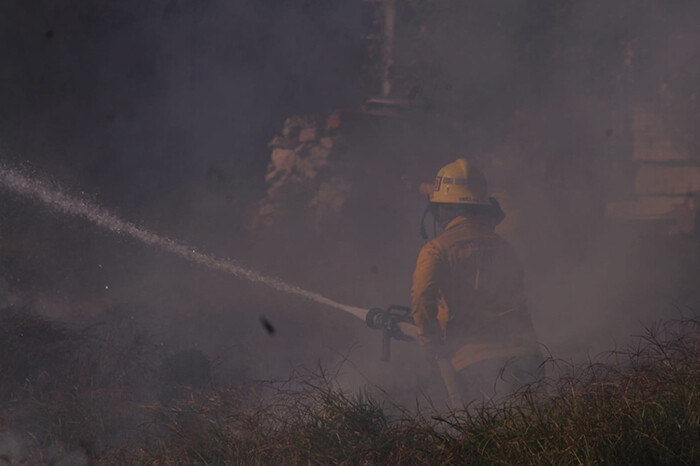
(386, 345)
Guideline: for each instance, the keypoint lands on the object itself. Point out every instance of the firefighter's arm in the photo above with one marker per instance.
(425, 294)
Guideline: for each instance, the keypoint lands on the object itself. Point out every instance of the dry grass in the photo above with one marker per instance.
(637, 406)
(85, 391)
(65, 390)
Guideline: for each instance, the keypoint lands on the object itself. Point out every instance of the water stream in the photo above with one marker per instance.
(55, 199)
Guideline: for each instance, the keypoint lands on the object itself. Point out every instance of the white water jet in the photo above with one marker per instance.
(59, 201)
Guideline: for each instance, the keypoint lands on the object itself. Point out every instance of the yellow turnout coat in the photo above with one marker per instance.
(468, 294)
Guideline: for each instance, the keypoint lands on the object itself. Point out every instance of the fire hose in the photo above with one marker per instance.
(394, 322)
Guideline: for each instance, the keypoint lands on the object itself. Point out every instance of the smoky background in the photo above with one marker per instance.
(161, 112)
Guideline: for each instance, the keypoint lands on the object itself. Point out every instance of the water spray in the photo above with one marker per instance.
(394, 322)
(55, 199)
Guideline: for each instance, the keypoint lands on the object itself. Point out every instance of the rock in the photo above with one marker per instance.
(296, 179)
(307, 135)
(282, 142)
(329, 201)
(331, 194)
(295, 124)
(283, 159)
(308, 165)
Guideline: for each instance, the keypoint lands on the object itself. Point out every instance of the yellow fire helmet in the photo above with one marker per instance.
(460, 182)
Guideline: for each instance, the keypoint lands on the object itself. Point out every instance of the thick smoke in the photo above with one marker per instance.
(161, 111)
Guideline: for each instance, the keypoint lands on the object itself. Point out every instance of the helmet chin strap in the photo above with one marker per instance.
(498, 213)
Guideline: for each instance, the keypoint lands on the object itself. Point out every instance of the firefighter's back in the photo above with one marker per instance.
(483, 289)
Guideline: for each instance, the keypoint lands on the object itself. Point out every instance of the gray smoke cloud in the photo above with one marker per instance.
(162, 110)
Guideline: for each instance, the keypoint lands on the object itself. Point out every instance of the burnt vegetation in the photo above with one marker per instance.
(72, 394)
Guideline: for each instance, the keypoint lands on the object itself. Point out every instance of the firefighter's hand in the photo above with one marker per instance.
(404, 331)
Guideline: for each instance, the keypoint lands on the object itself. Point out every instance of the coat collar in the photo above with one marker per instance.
(473, 224)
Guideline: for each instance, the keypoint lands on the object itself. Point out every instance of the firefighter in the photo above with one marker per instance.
(467, 297)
